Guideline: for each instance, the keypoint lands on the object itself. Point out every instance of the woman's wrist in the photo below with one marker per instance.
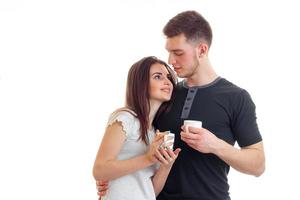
(165, 167)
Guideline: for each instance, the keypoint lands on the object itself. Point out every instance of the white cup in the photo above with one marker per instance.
(169, 140)
(192, 123)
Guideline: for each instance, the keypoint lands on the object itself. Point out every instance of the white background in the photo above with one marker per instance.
(63, 68)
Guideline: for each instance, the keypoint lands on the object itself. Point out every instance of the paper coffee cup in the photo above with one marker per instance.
(192, 123)
(169, 140)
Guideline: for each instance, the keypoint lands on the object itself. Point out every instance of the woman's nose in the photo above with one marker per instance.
(167, 81)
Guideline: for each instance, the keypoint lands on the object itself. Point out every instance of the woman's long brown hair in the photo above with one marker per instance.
(137, 91)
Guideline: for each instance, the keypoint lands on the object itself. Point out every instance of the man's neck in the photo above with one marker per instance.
(203, 76)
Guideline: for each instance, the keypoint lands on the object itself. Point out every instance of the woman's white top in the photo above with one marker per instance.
(138, 185)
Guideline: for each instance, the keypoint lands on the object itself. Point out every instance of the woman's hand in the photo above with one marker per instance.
(168, 157)
(153, 151)
(164, 154)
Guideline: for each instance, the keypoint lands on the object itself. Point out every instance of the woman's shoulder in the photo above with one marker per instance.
(126, 116)
(124, 112)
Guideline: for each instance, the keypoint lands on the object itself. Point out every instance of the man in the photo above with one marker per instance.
(226, 111)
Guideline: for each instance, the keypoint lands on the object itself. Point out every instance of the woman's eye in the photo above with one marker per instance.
(157, 77)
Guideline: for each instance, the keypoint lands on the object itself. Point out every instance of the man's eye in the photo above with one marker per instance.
(178, 54)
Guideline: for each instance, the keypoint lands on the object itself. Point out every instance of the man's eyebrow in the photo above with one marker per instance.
(176, 50)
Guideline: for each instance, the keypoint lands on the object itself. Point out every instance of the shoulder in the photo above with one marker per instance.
(230, 91)
(228, 87)
(238, 92)
(122, 114)
(125, 116)
(231, 94)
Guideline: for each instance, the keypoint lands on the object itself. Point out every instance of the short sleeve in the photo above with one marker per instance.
(244, 124)
(126, 119)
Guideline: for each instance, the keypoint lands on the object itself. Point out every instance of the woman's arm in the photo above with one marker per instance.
(166, 158)
(107, 167)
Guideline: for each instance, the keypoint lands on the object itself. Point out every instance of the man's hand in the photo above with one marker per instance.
(102, 187)
(200, 139)
(249, 159)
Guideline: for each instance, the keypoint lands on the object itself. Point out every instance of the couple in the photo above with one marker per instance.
(130, 157)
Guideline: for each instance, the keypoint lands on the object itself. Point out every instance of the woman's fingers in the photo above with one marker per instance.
(160, 156)
(166, 154)
(176, 152)
(158, 137)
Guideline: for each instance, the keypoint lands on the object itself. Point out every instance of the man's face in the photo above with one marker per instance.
(182, 55)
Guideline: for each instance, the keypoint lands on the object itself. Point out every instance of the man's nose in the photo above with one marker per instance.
(171, 59)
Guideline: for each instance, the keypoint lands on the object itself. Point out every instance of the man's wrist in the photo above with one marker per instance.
(219, 148)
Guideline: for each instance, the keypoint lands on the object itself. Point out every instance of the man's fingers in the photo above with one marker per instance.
(189, 141)
(189, 136)
(101, 193)
(102, 189)
(101, 183)
(196, 130)
(191, 129)
(193, 146)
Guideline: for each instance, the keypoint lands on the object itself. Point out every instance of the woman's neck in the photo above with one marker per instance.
(154, 106)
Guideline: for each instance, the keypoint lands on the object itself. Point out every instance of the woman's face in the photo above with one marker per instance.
(160, 85)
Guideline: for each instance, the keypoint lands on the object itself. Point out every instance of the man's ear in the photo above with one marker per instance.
(202, 49)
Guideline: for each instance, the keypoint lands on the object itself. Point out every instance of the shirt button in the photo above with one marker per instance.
(192, 91)
(188, 98)
(185, 108)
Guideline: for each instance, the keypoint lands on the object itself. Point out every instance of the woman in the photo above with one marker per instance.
(130, 148)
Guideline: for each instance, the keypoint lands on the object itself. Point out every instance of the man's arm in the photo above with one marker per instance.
(249, 160)
(102, 187)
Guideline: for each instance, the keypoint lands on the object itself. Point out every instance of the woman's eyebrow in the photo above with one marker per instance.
(159, 73)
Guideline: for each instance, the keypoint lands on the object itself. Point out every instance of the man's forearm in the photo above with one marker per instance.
(249, 160)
